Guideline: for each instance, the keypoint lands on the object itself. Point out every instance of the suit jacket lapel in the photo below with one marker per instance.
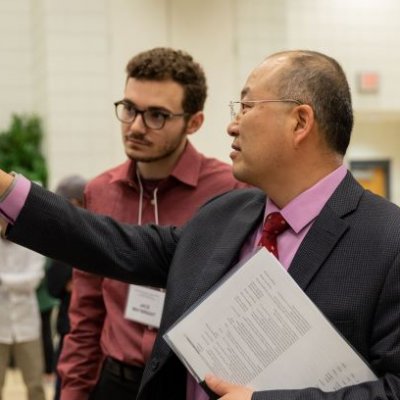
(225, 253)
(326, 232)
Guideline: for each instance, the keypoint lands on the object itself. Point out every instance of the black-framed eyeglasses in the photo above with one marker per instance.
(240, 107)
(153, 118)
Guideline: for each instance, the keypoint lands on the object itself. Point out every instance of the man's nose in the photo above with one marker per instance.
(138, 125)
(233, 128)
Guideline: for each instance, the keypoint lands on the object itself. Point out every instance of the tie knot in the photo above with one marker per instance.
(275, 224)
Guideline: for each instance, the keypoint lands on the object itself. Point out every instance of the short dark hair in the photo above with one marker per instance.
(319, 80)
(162, 63)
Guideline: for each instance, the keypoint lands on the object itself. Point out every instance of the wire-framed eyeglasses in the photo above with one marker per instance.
(153, 118)
(240, 107)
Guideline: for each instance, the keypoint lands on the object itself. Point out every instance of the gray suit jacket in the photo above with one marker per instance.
(348, 264)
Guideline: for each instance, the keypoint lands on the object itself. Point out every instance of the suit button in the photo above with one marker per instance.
(154, 364)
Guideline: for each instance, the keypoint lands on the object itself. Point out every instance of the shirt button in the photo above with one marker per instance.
(154, 364)
(152, 202)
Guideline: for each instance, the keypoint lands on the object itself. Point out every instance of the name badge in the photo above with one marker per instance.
(145, 305)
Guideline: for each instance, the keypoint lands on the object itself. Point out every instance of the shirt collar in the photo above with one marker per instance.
(124, 173)
(186, 170)
(304, 208)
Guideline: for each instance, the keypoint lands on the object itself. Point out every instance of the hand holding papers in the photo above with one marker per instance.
(259, 329)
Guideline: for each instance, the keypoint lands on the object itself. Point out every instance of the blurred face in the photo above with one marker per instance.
(261, 132)
(143, 143)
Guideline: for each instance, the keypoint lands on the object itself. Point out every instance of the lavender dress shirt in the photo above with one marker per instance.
(12, 203)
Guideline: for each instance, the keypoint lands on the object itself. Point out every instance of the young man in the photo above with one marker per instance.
(342, 243)
(164, 181)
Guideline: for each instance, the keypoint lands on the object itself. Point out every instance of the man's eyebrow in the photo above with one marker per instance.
(125, 100)
(155, 108)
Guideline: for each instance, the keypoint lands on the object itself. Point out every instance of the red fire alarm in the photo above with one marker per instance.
(368, 82)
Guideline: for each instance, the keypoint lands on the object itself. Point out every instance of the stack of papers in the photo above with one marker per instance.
(258, 328)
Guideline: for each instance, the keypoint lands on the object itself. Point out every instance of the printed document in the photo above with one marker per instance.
(258, 328)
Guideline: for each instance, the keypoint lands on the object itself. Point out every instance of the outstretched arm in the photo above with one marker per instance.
(51, 225)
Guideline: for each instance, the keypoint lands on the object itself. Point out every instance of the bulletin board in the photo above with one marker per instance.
(373, 175)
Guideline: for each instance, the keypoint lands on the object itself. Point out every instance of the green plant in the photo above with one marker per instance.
(20, 148)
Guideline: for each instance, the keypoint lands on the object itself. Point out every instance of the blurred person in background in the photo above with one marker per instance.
(47, 304)
(21, 271)
(164, 181)
(59, 275)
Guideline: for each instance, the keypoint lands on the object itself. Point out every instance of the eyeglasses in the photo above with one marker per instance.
(241, 107)
(153, 118)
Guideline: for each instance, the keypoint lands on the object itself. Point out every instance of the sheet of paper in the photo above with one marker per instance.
(258, 328)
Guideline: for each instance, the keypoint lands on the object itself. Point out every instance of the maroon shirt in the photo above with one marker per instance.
(98, 325)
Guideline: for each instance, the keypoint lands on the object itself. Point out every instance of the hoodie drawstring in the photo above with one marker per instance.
(141, 195)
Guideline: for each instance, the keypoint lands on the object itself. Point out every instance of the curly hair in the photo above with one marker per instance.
(162, 63)
(318, 80)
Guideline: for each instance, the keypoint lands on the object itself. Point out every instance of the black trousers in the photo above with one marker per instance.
(117, 381)
(47, 340)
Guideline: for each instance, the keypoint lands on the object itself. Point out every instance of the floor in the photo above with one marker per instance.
(14, 387)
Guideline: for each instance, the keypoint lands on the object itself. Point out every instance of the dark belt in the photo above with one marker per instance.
(123, 371)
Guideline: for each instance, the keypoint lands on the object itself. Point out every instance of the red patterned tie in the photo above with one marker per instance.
(274, 225)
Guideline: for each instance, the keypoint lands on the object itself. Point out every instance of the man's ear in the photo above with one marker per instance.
(305, 121)
(195, 122)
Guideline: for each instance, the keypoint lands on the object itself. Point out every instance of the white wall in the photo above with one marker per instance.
(133, 27)
(66, 60)
(15, 59)
(76, 65)
(206, 30)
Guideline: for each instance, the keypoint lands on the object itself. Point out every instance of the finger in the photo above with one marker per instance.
(218, 385)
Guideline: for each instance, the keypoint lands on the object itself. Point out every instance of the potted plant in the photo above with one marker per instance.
(20, 148)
